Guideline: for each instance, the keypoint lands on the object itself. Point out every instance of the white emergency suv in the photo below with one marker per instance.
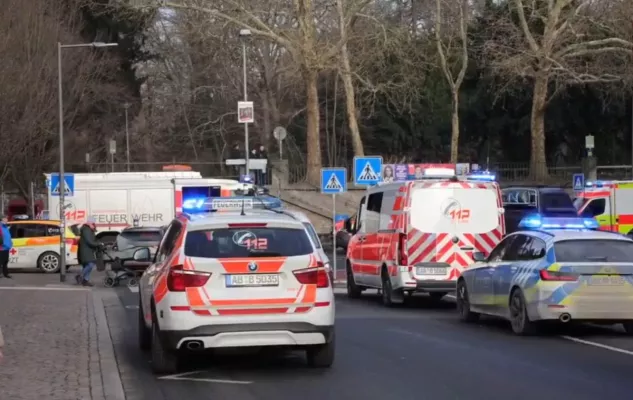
(420, 235)
(247, 278)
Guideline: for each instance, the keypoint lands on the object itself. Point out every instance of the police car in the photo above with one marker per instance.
(246, 278)
(554, 269)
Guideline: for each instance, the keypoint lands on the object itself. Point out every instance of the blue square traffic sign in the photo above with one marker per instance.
(69, 186)
(333, 180)
(578, 182)
(367, 170)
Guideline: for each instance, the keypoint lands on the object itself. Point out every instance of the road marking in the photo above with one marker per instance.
(451, 296)
(132, 307)
(133, 289)
(60, 288)
(599, 345)
(185, 377)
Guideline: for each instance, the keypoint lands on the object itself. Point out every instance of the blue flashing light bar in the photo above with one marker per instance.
(597, 184)
(233, 203)
(539, 222)
(482, 176)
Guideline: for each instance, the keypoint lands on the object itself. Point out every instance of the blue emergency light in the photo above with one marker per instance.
(485, 176)
(537, 221)
(193, 203)
(233, 203)
(596, 184)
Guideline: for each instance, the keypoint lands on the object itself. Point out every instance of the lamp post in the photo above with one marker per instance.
(62, 181)
(127, 137)
(244, 34)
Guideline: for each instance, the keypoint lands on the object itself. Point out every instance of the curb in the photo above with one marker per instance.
(112, 385)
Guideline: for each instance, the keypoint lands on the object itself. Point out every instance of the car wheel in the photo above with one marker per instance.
(144, 333)
(628, 327)
(49, 262)
(132, 282)
(519, 319)
(164, 361)
(437, 295)
(463, 303)
(353, 291)
(322, 355)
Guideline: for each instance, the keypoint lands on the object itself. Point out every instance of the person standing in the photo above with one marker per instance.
(87, 252)
(7, 245)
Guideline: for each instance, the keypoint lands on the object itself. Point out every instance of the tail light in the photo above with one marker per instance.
(313, 276)
(403, 258)
(180, 279)
(557, 276)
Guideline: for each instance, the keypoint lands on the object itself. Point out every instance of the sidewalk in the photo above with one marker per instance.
(58, 345)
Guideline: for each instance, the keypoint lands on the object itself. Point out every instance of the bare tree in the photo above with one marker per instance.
(445, 39)
(563, 42)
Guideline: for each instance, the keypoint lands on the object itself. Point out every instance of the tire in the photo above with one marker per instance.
(519, 319)
(386, 290)
(353, 291)
(132, 282)
(109, 282)
(463, 303)
(628, 327)
(164, 361)
(49, 262)
(437, 295)
(144, 333)
(322, 355)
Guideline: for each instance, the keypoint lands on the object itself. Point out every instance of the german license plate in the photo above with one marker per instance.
(606, 280)
(431, 270)
(245, 280)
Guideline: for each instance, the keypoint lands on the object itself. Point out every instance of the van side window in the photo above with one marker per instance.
(374, 203)
(595, 207)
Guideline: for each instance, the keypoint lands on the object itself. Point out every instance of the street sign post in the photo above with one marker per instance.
(578, 182)
(367, 170)
(280, 134)
(245, 112)
(333, 181)
(69, 185)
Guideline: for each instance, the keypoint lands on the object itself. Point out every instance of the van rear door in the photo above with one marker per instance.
(448, 221)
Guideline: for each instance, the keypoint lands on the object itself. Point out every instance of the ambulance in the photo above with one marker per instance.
(610, 203)
(418, 236)
(120, 200)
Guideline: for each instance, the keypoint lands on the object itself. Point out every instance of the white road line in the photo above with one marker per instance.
(133, 289)
(185, 377)
(599, 345)
(69, 289)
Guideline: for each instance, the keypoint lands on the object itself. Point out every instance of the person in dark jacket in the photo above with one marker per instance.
(5, 248)
(87, 252)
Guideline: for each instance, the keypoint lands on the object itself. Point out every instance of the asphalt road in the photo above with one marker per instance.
(419, 351)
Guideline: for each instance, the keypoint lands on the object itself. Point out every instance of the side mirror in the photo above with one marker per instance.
(142, 255)
(478, 256)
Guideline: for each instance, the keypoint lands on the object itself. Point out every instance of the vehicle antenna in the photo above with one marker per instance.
(242, 213)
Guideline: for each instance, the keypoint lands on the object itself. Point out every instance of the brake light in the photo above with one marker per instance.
(247, 225)
(403, 258)
(557, 276)
(180, 279)
(313, 276)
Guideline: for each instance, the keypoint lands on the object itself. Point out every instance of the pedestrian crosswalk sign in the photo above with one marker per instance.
(579, 182)
(367, 170)
(69, 186)
(333, 180)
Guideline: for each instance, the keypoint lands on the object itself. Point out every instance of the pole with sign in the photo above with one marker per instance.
(112, 152)
(280, 134)
(333, 181)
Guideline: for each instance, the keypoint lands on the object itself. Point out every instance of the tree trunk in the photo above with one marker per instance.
(350, 97)
(313, 141)
(455, 128)
(538, 162)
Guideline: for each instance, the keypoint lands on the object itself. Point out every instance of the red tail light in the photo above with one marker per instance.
(313, 276)
(180, 279)
(557, 276)
(403, 258)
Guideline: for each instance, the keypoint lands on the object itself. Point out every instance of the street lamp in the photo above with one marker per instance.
(127, 137)
(62, 181)
(244, 34)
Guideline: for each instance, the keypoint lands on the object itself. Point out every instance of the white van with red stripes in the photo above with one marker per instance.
(418, 236)
(236, 279)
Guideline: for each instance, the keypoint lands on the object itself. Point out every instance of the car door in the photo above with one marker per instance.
(29, 242)
(482, 293)
(355, 246)
(372, 241)
(508, 268)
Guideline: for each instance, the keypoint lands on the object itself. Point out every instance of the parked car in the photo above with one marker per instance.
(130, 239)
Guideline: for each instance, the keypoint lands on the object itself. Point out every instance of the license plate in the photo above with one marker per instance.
(431, 270)
(245, 280)
(606, 280)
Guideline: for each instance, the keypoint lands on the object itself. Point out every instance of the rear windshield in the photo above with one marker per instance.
(313, 234)
(142, 236)
(454, 210)
(247, 242)
(589, 250)
(557, 203)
